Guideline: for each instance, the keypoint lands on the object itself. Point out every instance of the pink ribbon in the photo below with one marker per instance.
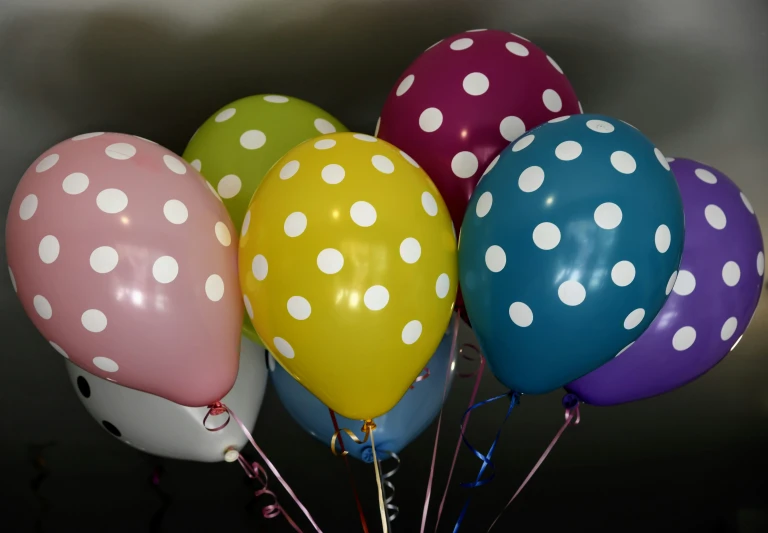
(570, 414)
(218, 408)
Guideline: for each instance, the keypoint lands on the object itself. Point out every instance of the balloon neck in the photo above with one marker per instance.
(368, 426)
(570, 401)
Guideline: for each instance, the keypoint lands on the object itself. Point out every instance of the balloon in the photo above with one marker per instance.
(348, 269)
(713, 298)
(127, 264)
(464, 99)
(394, 430)
(567, 248)
(160, 427)
(239, 143)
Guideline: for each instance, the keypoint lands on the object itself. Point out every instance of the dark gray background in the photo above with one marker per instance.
(693, 75)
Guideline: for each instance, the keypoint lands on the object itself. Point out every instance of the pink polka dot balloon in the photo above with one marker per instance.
(126, 261)
(466, 98)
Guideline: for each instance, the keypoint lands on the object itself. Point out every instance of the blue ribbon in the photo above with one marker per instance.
(514, 399)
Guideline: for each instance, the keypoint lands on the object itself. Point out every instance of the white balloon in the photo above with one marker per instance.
(160, 427)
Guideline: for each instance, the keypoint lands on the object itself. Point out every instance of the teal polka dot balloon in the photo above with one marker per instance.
(568, 250)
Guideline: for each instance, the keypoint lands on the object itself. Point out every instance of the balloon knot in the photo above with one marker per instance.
(570, 401)
(216, 409)
(368, 426)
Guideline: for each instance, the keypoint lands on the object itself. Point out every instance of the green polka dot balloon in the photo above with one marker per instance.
(238, 144)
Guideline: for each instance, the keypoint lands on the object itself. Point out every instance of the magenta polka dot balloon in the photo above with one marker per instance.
(467, 97)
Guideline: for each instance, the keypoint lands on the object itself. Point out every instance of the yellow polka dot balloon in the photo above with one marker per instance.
(348, 268)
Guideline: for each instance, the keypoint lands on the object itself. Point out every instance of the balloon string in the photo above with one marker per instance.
(514, 399)
(571, 415)
(382, 506)
(452, 362)
(478, 373)
(349, 471)
(218, 408)
(385, 479)
(421, 377)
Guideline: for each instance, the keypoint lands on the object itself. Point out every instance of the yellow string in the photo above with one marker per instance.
(351, 435)
(382, 507)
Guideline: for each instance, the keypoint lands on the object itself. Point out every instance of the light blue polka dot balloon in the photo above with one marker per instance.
(567, 249)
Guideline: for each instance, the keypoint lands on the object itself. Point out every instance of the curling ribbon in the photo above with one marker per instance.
(478, 373)
(385, 479)
(571, 404)
(219, 408)
(439, 422)
(421, 377)
(514, 399)
(349, 471)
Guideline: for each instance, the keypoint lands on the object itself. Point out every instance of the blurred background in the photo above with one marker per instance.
(691, 74)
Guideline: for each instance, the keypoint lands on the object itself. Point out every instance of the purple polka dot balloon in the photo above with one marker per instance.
(713, 295)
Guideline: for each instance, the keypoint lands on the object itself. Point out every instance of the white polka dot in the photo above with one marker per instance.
(248, 306)
(634, 318)
(475, 84)
(495, 258)
(662, 238)
(246, 224)
(623, 162)
(289, 170)
(410, 250)
(174, 165)
(430, 119)
(568, 150)
(520, 37)
(42, 306)
(222, 233)
(299, 307)
(363, 214)
(226, 114)
(104, 259)
(517, 49)
(671, 282)
(383, 164)
(546, 236)
(47, 163)
(13, 280)
(332, 174)
(443, 285)
(214, 287)
(410, 160)
(511, 128)
(229, 186)
(715, 216)
(581, 109)
(552, 100)
(523, 143)
(28, 207)
(600, 126)
(554, 64)
(571, 292)
(473, 31)
(196, 164)
(411, 332)
(94, 320)
(429, 203)
(376, 298)
(461, 44)
(760, 263)
(729, 328)
(330, 261)
(484, 204)
(493, 164)
(684, 338)
(275, 99)
(165, 269)
(213, 191)
(84, 136)
(531, 179)
(253, 139)
(624, 349)
(376, 129)
(705, 175)
(59, 349)
(623, 273)
(364, 137)
(48, 249)
(685, 283)
(405, 85)
(175, 212)
(106, 364)
(259, 267)
(112, 201)
(521, 314)
(75, 183)
(295, 224)
(271, 362)
(325, 144)
(560, 119)
(147, 140)
(746, 203)
(670, 159)
(661, 158)
(120, 151)
(731, 273)
(608, 215)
